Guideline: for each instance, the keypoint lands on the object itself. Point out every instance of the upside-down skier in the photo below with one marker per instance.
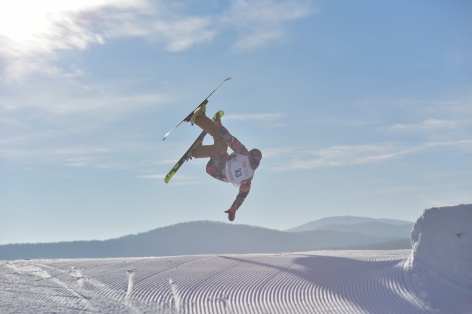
(237, 168)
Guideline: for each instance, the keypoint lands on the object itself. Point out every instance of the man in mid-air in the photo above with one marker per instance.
(237, 168)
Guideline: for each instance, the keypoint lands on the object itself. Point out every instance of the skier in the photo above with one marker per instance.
(237, 168)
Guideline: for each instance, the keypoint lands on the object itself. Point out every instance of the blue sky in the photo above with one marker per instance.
(360, 108)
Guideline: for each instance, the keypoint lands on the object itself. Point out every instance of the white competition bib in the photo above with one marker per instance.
(238, 169)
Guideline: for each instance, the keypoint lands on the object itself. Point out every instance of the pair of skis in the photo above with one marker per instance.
(185, 157)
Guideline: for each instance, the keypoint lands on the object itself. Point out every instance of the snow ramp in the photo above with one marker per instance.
(441, 259)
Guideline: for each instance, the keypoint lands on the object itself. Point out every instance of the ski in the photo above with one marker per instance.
(187, 154)
(204, 102)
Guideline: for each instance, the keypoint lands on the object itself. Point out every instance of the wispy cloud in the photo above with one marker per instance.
(464, 144)
(76, 99)
(341, 155)
(18, 153)
(72, 156)
(176, 180)
(152, 176)
(254, 117)
(266, 119)
(263, 21)
(302, 159)
(28, 137)
(33, 33)
(161, 22)
(425, 126)
(428, 113)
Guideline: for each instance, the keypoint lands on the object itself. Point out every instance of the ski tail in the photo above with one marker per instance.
(184, 158)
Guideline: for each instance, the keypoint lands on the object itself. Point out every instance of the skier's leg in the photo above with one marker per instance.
(219, 145)
(207, 125)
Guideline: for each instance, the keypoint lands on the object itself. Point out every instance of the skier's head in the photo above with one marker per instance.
(255, 157)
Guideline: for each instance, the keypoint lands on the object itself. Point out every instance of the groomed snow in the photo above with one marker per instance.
(434, 277)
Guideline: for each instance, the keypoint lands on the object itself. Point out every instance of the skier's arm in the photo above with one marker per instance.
(233, 143)
(244, 189)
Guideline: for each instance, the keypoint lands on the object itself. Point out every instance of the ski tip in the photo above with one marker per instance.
(167, 134)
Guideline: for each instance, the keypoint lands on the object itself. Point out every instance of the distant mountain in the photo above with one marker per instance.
(362, 225)
(201, 237)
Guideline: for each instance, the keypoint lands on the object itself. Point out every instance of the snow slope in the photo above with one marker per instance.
(434, 277)
(311, 282)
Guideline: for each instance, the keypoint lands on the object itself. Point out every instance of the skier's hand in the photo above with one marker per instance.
(231, 213)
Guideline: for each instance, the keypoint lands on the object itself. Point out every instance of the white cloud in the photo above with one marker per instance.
(33, 33)
(70, 99)
(260, 22)
(51, 155)
(342, 155)
(28, 137)
(152, 176)
(361, 154)
(176, 32)
(255, 116)
(176, 179)
(426, 126)
(464, 144)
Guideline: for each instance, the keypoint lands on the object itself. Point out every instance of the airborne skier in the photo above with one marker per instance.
(237, 168)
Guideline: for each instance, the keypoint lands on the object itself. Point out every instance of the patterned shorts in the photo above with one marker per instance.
(216, 166)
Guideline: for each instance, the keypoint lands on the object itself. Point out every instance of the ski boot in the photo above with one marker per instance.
(217, 117)
(196, 114)
(198, 142)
